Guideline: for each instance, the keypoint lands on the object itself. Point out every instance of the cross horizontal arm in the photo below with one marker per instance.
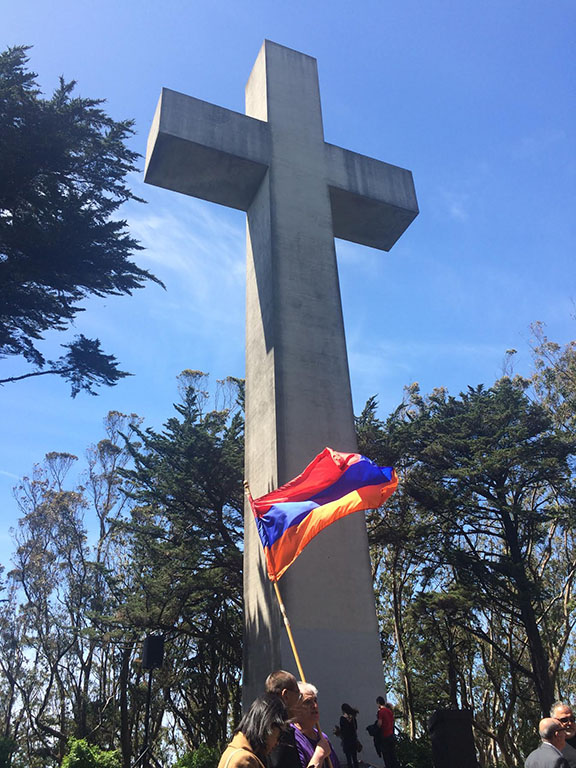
(373, 202)
(206, 151)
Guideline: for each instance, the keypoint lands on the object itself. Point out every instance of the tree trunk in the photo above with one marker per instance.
(538, 656)
(399, 632)
(125, 741)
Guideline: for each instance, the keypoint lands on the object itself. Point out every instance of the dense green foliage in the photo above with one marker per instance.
(203, 757)
(81, 754)
(7, 747)
(185, 534)
(63, 164)
(414, 753)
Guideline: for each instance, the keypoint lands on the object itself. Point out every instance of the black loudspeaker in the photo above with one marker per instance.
(452, 739)
(153, 652)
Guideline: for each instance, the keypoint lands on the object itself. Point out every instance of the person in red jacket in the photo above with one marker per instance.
(386, 723)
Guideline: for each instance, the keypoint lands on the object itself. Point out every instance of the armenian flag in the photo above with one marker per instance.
(332, 486)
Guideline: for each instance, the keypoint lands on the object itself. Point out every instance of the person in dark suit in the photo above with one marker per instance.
(563, 712)
(549, 753)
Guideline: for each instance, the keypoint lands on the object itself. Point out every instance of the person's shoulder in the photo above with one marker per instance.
(236, 757)
(239, 754)
(285, 754)
(535, 758)
(288, 736)
(569, 753)
(245, 759)
(545, 758)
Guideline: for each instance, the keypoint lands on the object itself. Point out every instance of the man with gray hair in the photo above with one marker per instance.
(563, 713)
(549, 753)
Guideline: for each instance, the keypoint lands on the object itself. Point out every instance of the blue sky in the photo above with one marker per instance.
(476, 98)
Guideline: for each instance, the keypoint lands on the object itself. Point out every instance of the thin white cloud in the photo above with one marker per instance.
(189, 241)
(197, 252)
(9, 474)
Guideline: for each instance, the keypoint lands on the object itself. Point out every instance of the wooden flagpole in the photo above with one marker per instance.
(289, 631)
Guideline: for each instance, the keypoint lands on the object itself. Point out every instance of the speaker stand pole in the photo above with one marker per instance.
(146, 762)
(144, 758)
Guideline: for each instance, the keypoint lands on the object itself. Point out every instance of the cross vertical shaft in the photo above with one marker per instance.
(296, 347)
(298, 396)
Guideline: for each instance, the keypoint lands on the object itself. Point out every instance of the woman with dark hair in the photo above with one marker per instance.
(257, 734)
(349, 735)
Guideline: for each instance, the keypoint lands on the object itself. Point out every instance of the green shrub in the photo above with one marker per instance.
(7, 747)
(84, 755)
(414, 754)
(203, 757)
(185, 761)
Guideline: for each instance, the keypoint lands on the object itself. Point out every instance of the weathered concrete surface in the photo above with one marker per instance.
(205, 151)
(299, 192)
(373, 202)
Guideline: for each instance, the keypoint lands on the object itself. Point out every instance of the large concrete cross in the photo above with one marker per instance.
(299, 192)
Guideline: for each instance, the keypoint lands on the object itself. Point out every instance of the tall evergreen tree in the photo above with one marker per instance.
(483, 521)
(164, 556)
(185, 535)
(63, 167)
